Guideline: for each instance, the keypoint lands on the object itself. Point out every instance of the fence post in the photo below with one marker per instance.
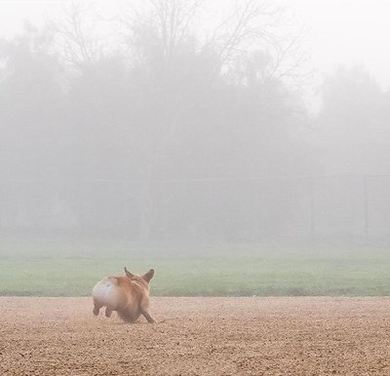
(366, 216)
(312, 208)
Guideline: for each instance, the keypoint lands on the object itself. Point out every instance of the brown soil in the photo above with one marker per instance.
(198, 336)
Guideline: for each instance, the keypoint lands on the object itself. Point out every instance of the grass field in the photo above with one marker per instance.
(42, 268)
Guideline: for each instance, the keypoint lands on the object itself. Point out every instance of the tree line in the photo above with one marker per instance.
(169, 130)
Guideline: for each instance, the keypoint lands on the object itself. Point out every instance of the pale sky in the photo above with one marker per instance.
(349, 32)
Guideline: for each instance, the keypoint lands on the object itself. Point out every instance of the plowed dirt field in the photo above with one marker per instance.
(198, 336)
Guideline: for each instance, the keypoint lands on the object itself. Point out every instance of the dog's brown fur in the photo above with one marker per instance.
(128, 295)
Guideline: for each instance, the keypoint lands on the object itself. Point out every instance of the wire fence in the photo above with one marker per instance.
(247, 209)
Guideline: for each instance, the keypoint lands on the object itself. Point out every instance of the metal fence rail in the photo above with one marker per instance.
(219, 208)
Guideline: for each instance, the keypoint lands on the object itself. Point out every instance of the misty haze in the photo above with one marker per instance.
(222, 148)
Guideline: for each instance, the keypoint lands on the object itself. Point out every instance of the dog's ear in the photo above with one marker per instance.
(128, 274)
(149, 275)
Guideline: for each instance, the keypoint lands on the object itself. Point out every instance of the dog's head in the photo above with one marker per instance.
(147, 277)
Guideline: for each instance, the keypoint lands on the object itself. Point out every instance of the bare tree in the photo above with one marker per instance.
(253, 27)
(164, 29)
(157, 39)
(174, 18)
(248, 39)
(75, 34)
(265, 31)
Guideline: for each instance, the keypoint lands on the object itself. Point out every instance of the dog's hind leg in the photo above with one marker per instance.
(148, 317)
(96, 308)
(108, 312)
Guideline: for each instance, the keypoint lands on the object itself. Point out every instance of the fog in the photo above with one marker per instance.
(193, 122)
